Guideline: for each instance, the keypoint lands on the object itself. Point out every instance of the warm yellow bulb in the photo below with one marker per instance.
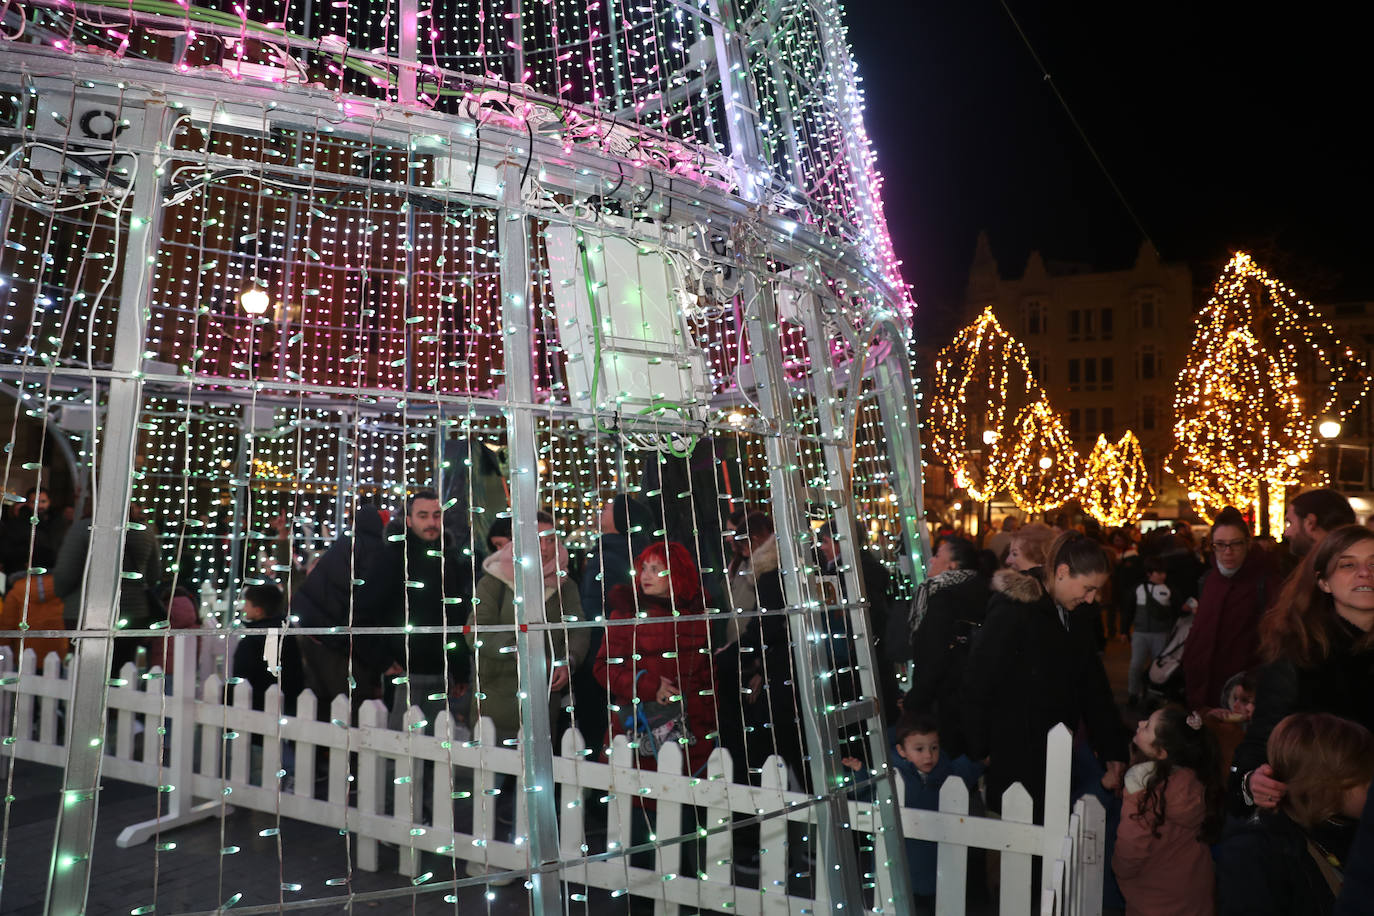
(255, 300)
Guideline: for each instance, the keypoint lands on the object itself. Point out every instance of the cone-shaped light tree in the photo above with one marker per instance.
(1043, 468)
(1117, 487)
(1240, 428)
(982, 379)
(1243, 423)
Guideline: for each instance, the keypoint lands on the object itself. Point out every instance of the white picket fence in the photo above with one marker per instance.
(397, 802)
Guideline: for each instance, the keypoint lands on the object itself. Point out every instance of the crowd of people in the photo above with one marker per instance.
(1241, 789)
(1244, 785)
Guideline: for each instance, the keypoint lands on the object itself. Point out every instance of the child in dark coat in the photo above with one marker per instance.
(916, 756)
(264, 607)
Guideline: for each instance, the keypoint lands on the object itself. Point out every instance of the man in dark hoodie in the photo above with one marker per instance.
(326, 599)
(419, 582)
(626, 529)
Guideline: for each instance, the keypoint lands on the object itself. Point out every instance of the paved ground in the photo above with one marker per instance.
(194, 878)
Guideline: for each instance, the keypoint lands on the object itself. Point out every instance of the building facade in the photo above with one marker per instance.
(1106, 346)
(1346, 458)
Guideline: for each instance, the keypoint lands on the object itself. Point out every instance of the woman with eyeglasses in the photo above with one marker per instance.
(1240, 583)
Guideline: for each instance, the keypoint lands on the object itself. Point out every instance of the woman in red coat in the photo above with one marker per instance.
(660, 657)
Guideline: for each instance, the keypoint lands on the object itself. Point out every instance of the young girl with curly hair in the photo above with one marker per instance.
(1171, 811)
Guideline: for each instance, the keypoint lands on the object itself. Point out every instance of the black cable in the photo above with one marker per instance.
(529, 159)
(621, 182)
(476, 160)
(1078, 127)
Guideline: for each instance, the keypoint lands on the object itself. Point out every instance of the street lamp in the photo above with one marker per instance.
(1329, 428)
(990, 437)
(255, 300)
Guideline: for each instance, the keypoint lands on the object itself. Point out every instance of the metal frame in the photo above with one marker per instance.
(74, 837)
(204, 98)
(815, 691)
(535, 744)
(839, 468)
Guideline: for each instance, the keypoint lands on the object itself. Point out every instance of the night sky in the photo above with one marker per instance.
(1226, 125)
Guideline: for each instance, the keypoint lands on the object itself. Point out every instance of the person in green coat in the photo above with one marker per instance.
(496, 672)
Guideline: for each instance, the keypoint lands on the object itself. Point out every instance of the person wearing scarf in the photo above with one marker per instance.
(949, 609)
(496, 672)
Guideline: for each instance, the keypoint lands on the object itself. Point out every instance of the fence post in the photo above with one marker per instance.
(1017, 808)
(1089, 864)
(240, 750)
(181, 710)
(271, 740)
(23, 700)
(1058, 769)
(719, 767)
(371, 788)
(572, 822)
(306, 709)
(340, 715)
(212, 692)
(773, 842)
(619, 804)
(951, 869)
(668, 825)
(47, 705)
(409, 791)
(441, 787)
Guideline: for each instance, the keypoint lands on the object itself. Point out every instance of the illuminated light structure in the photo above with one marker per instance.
(1249, 433)
(287, 255)
(1116, 487)
(982, 382)
(1043, 470)
(1244, 424)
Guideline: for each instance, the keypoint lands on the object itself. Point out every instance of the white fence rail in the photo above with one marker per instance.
(394, 797)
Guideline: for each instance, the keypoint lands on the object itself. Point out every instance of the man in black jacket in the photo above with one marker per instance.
(952, 604)
(420, 582)
(326, 599)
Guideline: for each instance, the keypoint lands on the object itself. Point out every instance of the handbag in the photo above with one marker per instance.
(652, 724)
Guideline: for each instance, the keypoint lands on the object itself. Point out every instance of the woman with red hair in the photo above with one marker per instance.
(653, 662)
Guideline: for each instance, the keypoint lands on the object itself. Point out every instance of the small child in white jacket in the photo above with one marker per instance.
(1154, 616)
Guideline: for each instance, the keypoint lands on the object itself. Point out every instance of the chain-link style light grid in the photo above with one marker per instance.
(469, 432)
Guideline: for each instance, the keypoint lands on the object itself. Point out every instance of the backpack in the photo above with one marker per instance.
(1169, 662)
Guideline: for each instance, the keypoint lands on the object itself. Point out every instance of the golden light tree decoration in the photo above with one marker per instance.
(981, 379)
(1255, 338)
(1116, 485)
(1240, 429)
(1043, 469)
